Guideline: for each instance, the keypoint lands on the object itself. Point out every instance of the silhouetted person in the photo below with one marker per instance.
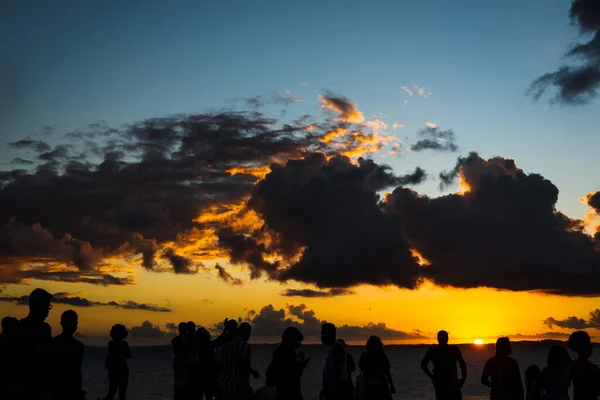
(67, 357)
(287, 366)
(235, 366)
(533, 383)
(501, 373)
(375, 367)
(34, 340)
(350, 364)
(182, 347)
(229, 332)
(556, 377)
(444, 358)
(207, 371)
(584, 374)
(336, 379)
(116, 362)
(8, 357)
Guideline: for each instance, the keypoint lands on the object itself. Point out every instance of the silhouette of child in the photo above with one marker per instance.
(67, 357)
(532, 382)
(116, 362)
(501, 373)
(584, 374)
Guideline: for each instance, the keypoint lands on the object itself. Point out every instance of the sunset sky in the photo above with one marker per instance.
(393, 167)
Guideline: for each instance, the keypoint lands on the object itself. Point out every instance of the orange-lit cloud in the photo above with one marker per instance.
(347, 111)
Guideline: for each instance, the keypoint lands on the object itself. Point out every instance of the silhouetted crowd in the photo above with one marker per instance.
(35, 366)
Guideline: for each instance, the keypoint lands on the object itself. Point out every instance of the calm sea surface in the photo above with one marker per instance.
(151, 375)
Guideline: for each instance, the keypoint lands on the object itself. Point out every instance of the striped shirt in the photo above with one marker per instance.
(234, 358)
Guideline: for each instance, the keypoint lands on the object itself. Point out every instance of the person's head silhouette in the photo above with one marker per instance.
(292, 338)
(532, 373)
(442, 337)
(503, 347)
(118, 332)
(191, 328)
(244, 331)
(230, 325)
(581, 344)
(9, 326)
(558, 357)
(69, 322)
(182, 328)
(374, 345)
(39, 304)
(328, 334)
(203, 335)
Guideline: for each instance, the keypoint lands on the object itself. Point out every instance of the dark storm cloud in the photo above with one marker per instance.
(329, 209)
(593, 321)
(77, 301)
(435, 139)
(226, 276)
(269, 322)
(316, 293)
(181, 264)
(577, 84)
(147, 330)
(28, 144)
(594, 201)
(504, 232)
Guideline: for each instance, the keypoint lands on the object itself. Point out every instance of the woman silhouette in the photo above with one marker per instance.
(375, 367)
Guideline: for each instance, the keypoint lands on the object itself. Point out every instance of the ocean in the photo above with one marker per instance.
(151, 376)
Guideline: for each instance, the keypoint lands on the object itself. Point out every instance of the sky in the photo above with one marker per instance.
(200, 160)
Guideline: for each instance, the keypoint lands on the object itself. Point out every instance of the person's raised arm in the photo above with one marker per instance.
(425, 364)
(463, 367)
(485, 375)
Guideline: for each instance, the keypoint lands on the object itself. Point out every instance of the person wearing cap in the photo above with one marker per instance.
(34, 339)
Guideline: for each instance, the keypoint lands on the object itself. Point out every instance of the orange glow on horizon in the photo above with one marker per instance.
(478, 342)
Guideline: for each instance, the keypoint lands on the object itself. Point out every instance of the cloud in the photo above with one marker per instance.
(181, 264)
(316, 293)
(501, 232)
(575, 323)
(576, 84)
(421, 91)
(323, 220)
(21, 161)
(133, 193)
(347, 111)
(77, 301)
(435, 139)
(397, 126)
(285, 100)
(226, 276)
(407, 90)
(147, 330)
(269, 322)
(540, 336)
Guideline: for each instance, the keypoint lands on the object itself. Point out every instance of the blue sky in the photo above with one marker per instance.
(70, 63)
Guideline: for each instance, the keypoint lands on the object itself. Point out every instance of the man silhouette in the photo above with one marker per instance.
(35, 336)
(336, 379)
(8, 357)
(444, 377)
(67, 357)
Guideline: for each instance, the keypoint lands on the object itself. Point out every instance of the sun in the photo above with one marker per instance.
(478, 342)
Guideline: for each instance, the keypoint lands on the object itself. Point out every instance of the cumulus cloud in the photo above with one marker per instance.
(578, 83)
(147, 330)
(72, 299)
(270, 322)
(226, 276)
(540, 336)
(181, 264)
(316, 293)
(435, 138)
(593, 321)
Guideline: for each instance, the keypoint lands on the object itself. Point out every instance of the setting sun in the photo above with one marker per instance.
(478, 341)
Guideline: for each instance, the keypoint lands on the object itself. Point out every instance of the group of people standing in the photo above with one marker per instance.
(36, 366)
(502, 375)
